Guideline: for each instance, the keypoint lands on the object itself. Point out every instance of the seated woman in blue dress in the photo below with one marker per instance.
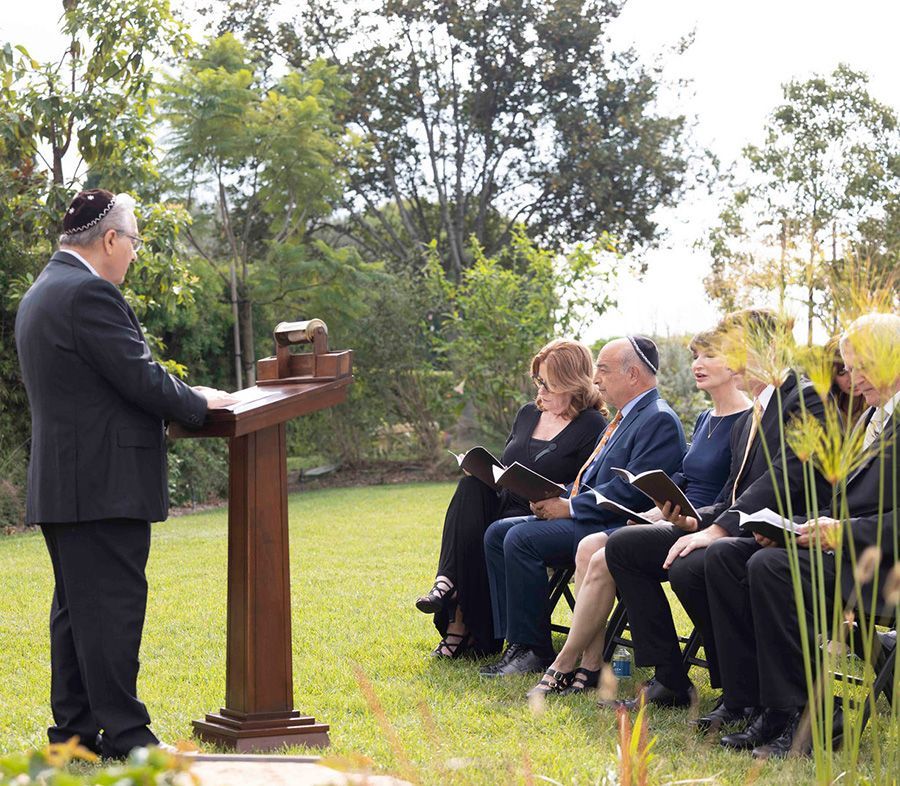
(703, 474)
(553, 435)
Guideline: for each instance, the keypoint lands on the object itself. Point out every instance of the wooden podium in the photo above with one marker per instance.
(259, 709)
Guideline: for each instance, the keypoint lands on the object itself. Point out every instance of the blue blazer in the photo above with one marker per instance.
(649, 437)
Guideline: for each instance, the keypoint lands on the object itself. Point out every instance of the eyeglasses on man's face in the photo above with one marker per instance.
(136, 241)
(539, 383)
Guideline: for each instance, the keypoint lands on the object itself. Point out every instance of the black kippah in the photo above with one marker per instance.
(647, 351)
(87, 210)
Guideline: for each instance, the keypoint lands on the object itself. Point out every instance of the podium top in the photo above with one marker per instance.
(260, 407)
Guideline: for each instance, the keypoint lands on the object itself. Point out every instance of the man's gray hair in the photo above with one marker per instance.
(878, 325)
(630, 359)
(115, 219)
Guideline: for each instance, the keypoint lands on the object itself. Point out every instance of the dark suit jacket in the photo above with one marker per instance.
(870, 502)
(98, 401)
(755, 489)
(649, 437)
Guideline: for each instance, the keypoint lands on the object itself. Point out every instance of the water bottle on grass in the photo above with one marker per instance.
(621, 662)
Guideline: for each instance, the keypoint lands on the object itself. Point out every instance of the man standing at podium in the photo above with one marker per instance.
(97, 475)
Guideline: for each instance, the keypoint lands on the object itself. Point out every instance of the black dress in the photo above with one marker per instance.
(475, 506)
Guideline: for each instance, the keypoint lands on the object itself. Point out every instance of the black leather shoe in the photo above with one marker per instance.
(765, 727)
(522, 660)
(721, 716)
(508, 654)
(654, 692)
(795, 740)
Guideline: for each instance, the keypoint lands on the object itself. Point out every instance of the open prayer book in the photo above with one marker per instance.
(660, 488)
(767, 523)
(526, 482)
(479, 463)
(607, 504)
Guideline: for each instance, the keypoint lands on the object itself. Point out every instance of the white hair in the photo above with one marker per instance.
(881, 325)
(116, 219)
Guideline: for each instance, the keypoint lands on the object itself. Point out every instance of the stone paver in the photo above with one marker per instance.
(244, 772)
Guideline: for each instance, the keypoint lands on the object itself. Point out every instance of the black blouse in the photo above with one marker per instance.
(558, 459)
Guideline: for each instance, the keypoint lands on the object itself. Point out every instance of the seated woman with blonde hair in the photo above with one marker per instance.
(704, 473)
(553, 435)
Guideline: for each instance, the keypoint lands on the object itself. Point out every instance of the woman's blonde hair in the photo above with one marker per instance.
(707, 341)
(570, 366)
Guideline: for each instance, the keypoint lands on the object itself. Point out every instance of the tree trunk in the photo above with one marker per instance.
(247, 340)
(236, 329)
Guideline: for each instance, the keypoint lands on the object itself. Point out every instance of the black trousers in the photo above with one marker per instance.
(635, 556)
(781, 676)
(96, 622)
(728, 586)
(473, 507)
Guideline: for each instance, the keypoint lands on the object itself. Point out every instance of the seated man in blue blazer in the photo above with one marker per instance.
(645, 434)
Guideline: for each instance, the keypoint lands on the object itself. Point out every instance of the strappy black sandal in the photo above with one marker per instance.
(452, 646)
(583, 679)
(437, 597)
(552, 681)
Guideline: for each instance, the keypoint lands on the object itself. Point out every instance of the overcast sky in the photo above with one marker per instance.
(742, 53)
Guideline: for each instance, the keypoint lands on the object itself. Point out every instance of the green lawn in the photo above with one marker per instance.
(359, 558)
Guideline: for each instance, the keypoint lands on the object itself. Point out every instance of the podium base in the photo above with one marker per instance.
(262, 731)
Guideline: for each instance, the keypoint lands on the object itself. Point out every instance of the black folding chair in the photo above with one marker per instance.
(885, 661)
(617, 626)
(558, 587)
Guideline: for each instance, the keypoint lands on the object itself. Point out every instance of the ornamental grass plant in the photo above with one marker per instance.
(844, 629)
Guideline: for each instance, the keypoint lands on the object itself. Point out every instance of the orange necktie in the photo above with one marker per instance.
(613, 425)
(754, 429)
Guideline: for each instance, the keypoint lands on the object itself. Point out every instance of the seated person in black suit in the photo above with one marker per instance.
(703, 474)
(553, 435)
(641, 558)
(751, 592)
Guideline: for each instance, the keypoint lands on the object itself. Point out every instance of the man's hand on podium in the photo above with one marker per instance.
(216, 399)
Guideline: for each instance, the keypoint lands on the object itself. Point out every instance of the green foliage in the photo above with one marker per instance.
(84, 118)
(48, 767)
(676, 381)
(504, 309)
(198, 471)
(822, 194)
(475, 116)
(402, 389)
(260, 163)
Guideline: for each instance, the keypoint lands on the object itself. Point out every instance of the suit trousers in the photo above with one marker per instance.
(728, 587)
(518, 551)
(779, 647)
(96, 623)
(635, 557)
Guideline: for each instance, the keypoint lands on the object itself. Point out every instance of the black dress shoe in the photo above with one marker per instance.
(654, 692)
(518, 659)
(720, 716)
(508, 654)
(796, 738)
(766, 726)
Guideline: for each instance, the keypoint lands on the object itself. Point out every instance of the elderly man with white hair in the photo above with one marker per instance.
(97, 474)
(762, 663)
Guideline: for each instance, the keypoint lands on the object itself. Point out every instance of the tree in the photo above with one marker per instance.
(259, 165)
(821, 192)
(82, 118)
(476, 116)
